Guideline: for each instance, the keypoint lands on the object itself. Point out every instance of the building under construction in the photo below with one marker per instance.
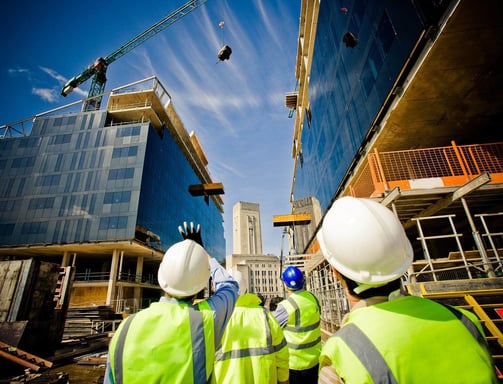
(402, 102)
(397, 101)
(101, 191)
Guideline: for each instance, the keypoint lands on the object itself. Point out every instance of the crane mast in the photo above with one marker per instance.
(98, 69)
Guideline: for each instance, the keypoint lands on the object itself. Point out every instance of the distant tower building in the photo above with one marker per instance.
(260, 273)
(247, 237)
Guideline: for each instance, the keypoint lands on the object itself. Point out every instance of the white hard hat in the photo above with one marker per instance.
(184, 270)
(364, 241)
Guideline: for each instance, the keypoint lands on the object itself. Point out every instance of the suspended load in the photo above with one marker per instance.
(224, 53)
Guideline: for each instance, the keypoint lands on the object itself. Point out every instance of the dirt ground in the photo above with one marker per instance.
(82, 373)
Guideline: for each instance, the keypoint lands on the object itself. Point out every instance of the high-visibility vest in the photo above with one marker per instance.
(302, 330)
(253, 348)
(410, 340)
(165, 343)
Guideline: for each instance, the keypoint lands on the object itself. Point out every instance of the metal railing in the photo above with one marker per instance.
(89, 275)
(460, 264)
(446, 166)
(329, 291)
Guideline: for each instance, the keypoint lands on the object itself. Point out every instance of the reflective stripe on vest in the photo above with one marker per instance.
(366, 351)
(302, 330)
(297, 327)
(374, 343)
(468, 324)
(198, 345)
(196, 326)
(372, 359)
(238, 353)
(119, 351)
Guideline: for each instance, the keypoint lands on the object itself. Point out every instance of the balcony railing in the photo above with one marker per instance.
(88, 275)
(428, 168)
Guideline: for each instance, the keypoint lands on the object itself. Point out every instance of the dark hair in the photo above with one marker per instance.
(384, 290)
(189, 299)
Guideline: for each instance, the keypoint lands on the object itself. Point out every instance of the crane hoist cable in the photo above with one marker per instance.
(225, 52)
(98, 69)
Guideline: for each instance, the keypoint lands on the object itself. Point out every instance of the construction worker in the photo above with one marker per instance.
(389, 337)
(174, 340)
(253, 348)
(299, 315)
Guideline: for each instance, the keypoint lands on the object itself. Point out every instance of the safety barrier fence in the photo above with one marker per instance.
(428, 168)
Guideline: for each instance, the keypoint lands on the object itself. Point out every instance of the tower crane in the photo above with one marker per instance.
(98, 69)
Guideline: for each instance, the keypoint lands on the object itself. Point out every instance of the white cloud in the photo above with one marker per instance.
(62, 80)
(17, 71)
(46, 94)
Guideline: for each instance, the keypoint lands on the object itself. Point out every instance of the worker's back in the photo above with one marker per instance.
(421, 341)
(253, 348)
(162, 338)
(302, 330)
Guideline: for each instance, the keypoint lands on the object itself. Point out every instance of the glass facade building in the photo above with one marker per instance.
(79, 178)
(104, 191)
(360, 49)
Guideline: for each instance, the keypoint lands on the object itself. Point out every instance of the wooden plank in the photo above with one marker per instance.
(20, 294)
(19, 361)
(10, 271)
(12, 332)
(23, 358)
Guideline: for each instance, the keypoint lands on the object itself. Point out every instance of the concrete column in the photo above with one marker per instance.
(113, 277)
(66, 259)
(138, 290)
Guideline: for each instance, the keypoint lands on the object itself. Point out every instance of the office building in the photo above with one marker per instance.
(260, 273)
(247, 233)
(104, 191)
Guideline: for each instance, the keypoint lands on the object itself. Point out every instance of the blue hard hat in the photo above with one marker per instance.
(293, 278)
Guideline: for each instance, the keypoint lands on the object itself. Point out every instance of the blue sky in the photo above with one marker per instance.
(236, 107)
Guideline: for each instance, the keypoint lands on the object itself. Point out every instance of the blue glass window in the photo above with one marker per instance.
(48, 180)
(125, 151)
(6, 229)
(7, 205)
(41, 203)
(33, 228)
(128, 131)
(23, 162)
(30, 142)
(114, 222)
(386, 33)
(60, 139)
(121, 173)
(117, 197)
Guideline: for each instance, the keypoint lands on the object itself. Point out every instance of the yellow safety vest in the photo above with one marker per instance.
(253, 348)
(165, 343)
(410, 340)
(302, 330)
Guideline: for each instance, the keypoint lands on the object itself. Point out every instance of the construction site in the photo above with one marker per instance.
(431, 150)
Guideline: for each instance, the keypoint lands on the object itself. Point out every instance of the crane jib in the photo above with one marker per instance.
(98, 69)
(172, 18)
